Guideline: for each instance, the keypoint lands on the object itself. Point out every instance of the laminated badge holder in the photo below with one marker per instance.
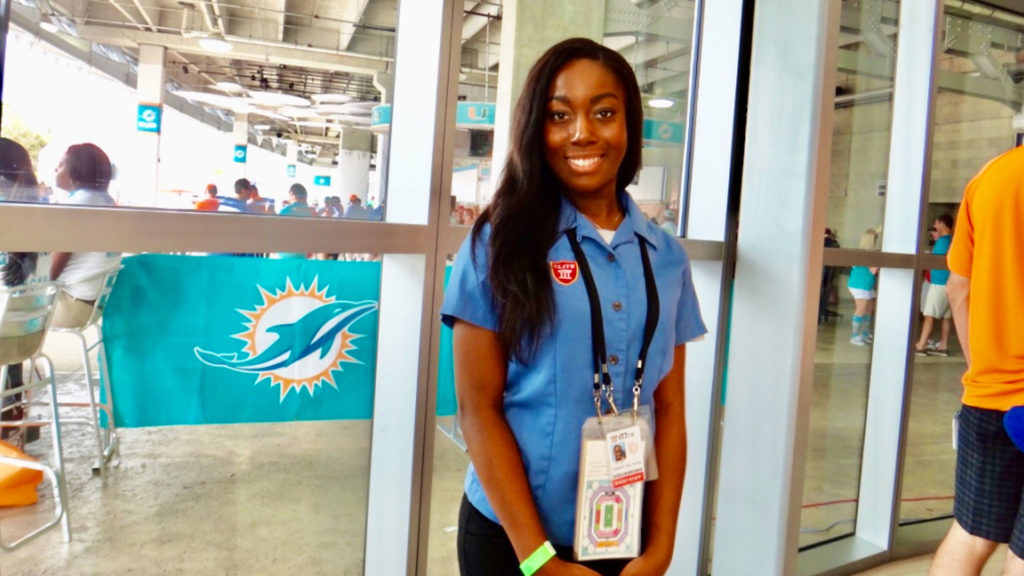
(616, 452)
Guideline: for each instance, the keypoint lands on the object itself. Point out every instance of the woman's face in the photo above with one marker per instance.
(585, 128)
(62, 179)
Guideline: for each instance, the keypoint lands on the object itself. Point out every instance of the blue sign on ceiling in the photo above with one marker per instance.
(148, 118)
(321, 180)
(240, 153)
(663, 132)
(291, 170)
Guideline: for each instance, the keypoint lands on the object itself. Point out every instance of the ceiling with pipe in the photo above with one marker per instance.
(332, 58)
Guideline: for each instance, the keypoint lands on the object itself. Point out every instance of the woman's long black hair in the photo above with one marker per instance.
(524, 213)
(16, 175)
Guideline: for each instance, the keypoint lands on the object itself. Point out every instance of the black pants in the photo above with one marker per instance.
(485, 550)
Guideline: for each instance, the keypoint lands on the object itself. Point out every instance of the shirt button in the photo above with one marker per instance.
(613, 359)
(611, 257)
(616, 306)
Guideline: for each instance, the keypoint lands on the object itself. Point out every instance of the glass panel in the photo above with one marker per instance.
(244, 392)
(862, 123)
(979, 72)
(656, 41)
(277, 109)
(842, 369)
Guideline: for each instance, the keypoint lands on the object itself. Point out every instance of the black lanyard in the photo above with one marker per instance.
(602, 379)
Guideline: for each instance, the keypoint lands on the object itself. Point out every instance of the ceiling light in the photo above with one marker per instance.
(262, 127)
(661, 102)
(49, 26)
(332, 98)
(228, 86)
(215, 42)
(277, 99)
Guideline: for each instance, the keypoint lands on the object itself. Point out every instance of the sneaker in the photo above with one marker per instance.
(919, 352)
(857, 341)
(868, 338)
(939, 352)
(931, 345)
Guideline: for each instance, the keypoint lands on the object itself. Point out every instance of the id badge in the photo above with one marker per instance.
(630, 446)
(608, 516)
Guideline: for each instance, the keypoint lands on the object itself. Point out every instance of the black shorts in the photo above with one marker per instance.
(989, 479)
(485, 550)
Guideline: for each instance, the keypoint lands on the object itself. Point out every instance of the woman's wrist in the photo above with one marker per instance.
(535, 561)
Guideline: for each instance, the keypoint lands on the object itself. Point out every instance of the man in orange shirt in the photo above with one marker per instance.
(210, 203)
(986, 294)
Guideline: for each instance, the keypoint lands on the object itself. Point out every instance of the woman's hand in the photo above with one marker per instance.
(646, 564)
(558, 567)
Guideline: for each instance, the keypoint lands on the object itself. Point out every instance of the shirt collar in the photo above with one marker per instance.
(635, 221)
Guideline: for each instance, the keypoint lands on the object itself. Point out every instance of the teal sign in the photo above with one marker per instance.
(474, 114)
(295, 340)
(662, 132)
(291, 170)
(321, 180)
(380, 115)
(147, 118)
(241, 151)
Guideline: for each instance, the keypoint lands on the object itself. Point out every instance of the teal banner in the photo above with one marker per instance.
(446, 404)
(474, 114)
(225, 339)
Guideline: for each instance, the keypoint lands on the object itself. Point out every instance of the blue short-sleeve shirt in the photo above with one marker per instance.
(549, 396)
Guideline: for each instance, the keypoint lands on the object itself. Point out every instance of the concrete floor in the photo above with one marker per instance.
(291, 498)
(919, 566)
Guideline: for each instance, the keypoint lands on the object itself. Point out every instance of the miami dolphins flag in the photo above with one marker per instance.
(222, 339)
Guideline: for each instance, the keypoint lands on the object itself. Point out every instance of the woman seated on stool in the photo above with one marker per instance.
(85, 172)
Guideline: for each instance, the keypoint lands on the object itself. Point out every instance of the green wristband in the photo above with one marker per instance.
(539, 558)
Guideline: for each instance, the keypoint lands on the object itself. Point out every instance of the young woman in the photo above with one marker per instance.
(862, 288)
(521, 314)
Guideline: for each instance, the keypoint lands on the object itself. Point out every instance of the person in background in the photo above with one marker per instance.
(355, 209)
(517, 303)
(85, 172)
(668, 221)
(17, 184)
(257, 204)
(210, 203)
(862, 287)
(240, 203)
(936, 304)
(332, 207)
(297, 205)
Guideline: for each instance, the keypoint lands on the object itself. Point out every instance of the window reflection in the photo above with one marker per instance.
(979, 73)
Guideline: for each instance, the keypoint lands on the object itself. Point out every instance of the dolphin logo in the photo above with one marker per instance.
(315, 331)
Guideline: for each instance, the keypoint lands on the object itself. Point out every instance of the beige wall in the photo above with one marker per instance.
(969, 131)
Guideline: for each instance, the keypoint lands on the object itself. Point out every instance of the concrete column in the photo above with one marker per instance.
(528, 29)
(352, 174)
(385, 82)
(771, 348)
(144, 175)
(240, 135)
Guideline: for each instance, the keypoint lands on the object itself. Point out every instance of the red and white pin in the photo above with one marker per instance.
(565, 272)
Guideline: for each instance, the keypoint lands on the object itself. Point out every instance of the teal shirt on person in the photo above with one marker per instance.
(861, 278)
(548, 397)
(939, 277)
(296, 209)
